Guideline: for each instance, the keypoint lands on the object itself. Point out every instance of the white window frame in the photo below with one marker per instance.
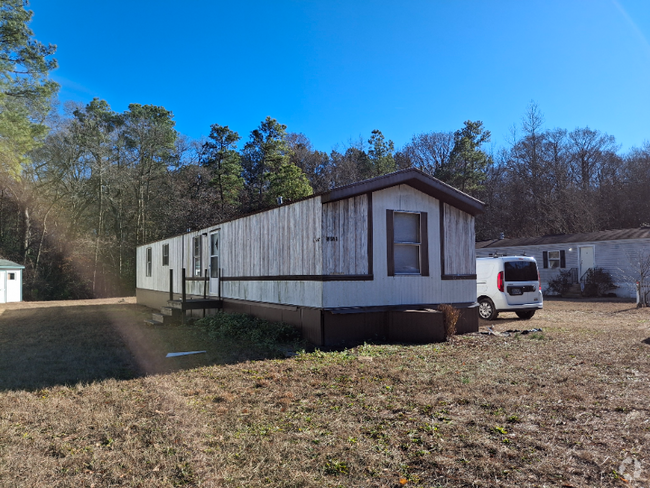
(148, 262)
(416, 244)
(196, 256)
(421, 245)
(165, 254)
(557, 259)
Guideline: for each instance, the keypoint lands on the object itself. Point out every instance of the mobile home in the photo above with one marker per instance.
(355, 263)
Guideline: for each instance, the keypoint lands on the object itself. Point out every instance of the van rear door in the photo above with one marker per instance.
(485, 270)
(521, 283)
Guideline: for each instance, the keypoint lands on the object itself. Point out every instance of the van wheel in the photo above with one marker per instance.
(526, 315)
(486, 309)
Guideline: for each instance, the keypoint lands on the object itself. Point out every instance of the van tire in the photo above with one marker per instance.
(486, 309)
(526, 315)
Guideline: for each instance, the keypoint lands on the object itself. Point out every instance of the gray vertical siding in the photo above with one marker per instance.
(459, 238)
(344, 236)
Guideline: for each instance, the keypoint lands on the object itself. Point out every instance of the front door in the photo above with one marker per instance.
(586, 259)
(214, 263)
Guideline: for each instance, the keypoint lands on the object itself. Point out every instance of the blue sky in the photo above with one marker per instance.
(336, 70)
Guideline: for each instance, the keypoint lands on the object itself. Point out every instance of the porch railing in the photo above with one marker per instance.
(184, 279)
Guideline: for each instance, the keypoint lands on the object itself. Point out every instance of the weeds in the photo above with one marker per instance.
(270, 339)
(450, 317)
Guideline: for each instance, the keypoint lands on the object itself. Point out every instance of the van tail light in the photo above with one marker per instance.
(500, 281)
(539, 280)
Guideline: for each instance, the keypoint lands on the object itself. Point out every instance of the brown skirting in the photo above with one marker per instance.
(347, 326)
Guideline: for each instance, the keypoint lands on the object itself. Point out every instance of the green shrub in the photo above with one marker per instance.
(598, 282)
(561, 283)
(268, 338)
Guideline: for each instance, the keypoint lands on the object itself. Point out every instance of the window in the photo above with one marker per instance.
(148, 270)
(165, 255)
(214, 255)
(197, 256)
(12, 276)
(408, 252)
(520, 271)
(554, 259)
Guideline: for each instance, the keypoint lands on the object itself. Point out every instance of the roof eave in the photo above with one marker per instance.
(418, 180)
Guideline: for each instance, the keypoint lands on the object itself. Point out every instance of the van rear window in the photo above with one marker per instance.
(520, 270)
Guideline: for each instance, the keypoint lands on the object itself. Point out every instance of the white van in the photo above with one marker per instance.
(508, 284)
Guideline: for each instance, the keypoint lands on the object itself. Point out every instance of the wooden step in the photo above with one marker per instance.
(152, 322)
(171, 312)
(166, 319)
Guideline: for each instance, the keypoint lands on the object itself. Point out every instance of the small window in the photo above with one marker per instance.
(12, 276)
(165, 255)
(407, 245)
(554, 259)
(148, 270)
(197, 256)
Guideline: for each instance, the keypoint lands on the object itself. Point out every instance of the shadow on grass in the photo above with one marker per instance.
(65, 345)
(646, 341)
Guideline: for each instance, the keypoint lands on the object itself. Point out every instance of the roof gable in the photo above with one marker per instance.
(412, 177)
(6, 264)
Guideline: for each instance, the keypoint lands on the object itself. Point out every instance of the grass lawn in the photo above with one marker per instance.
(87, 398)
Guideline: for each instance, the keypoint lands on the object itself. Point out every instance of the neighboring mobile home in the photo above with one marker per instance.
(11, 281)
(615, 251)
(343, 266)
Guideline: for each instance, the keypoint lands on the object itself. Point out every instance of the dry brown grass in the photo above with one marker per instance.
(564, 407)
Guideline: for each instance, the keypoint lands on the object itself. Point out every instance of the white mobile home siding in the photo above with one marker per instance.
(386, 290)
(281, 241)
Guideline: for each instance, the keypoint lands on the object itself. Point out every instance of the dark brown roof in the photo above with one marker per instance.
(603, 235)
(412, 177)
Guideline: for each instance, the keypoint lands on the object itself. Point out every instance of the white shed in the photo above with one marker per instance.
(339, 265)
(11, 281)
(615, 251)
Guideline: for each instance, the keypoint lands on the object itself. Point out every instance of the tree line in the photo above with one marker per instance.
(82, 187)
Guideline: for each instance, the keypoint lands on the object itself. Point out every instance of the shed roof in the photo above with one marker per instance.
(412, 177)
(603, 235)
(6, 264)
